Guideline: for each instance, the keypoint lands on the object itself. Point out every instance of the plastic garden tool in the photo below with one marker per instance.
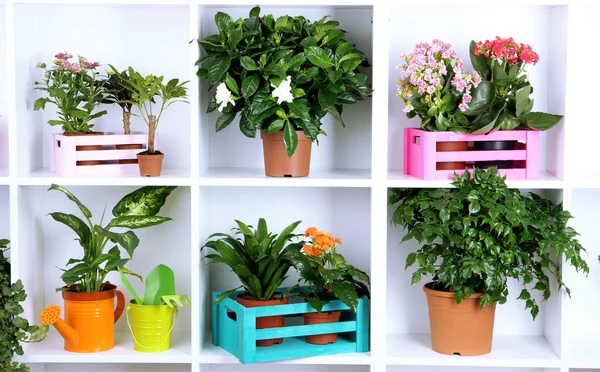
(177, 301)
(129, 287)
(159, 282)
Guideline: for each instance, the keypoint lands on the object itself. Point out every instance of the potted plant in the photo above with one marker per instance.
(13, 328)
(74, 88)
(435, 87)
(118, 90)
(329, 277)
(261, 260)
(89, 299)
(282, 76)
(145, 89)
(504, 95)
(475, 237)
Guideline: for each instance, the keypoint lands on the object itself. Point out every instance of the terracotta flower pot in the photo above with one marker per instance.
(128, 147)
(150, 165)
(265, 321)
(451, 146)
(322, 318)
(87, 147)
(278, 163)
(459, 329)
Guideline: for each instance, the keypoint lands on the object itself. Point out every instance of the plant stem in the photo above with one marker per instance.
(126, 122)
(151, 133)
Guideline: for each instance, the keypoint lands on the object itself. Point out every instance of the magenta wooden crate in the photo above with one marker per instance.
(63, 157)
(420, 155)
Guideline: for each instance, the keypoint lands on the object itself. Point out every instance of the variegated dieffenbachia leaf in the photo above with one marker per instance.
(128, 240)
(145, 201)
(86, 212)
(137, 222)
(81, 229)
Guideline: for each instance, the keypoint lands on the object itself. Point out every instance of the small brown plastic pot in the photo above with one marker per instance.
(451, 146)
(87, 147)
(459, 329)
(277, 161)
(150, 165)
(265, 321)
(322, 318)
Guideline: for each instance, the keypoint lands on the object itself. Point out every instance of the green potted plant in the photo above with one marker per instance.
(145, 89)
(13, 328)
(118, 90)
(282, 76)
(329, 277)
(74, 88)
(86, 291)
(474, 238)
(261, 260)
(435, 87)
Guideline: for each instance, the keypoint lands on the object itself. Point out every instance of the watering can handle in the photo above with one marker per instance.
(120, 305)
(175, 313)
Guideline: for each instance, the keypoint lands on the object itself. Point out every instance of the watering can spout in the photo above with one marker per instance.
(51, 316)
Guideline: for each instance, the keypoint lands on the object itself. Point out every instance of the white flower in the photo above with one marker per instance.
(283, 92)
(223, 97)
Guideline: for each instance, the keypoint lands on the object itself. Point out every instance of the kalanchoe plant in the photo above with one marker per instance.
(14, 329)
(281, 74)
(118, 90)
(328, 275)
(75, 90)
(258, 257)
(145, 89)
(135, 210)
(481, 233)
(504, 95)
(434, 86)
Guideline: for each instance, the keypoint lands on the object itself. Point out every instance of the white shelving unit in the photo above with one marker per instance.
(220, 175)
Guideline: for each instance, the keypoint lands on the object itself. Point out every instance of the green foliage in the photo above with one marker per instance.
(253, 56)
(258, 257)
(484, 233)
(135, 210)
(13, 328)
(118, 89)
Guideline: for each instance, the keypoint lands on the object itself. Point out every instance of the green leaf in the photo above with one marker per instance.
(316, 303)
(294, 62)
(76, 224)
(410, 259)
(343, 49)
(224, 120)
(541, 121)
(482, 97)
(224, 295)
(223, 21)
(128, 240)
(275, 126)
(498, 72)
(299, 109)
(308, 42)
(145, 201)
(86, 212)
(326, 97)
(218, 68)
(290, 139)
(246, 127)
(235, 37)
(40, 104)
(345, 292)
(522, 99)
(138, 222)
(509, 122)
(348, 57)
(250, 85)
(248, 63)
(231, 84)
(441, 122)
(479, 62)
(318, 57)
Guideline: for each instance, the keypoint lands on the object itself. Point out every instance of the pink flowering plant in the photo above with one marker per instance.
(503, 97)
(434, 85)
(74, 88)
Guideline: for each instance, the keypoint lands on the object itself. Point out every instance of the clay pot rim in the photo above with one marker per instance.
(108, 292)
(436, 293)
(257, 303)
(149, 155)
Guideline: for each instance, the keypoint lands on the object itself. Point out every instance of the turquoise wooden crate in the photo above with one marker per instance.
(234, 329)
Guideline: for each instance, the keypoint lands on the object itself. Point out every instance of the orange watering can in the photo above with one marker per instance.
(89, 319)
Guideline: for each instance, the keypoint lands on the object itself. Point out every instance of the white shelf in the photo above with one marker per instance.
(256, 177)
(4, 179)
(211, 354)
(584, 353)
(507, 351)
(397, 178)
(168, 177)
(51, 351)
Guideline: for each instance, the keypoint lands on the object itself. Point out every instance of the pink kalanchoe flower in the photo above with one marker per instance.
(431, 89)
(91, 65)
(63, 55)
(463, 107)
(466, 98)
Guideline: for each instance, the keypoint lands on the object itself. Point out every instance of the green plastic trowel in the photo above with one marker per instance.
(159, 282)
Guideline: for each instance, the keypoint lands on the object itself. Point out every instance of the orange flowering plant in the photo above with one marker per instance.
(327, 274)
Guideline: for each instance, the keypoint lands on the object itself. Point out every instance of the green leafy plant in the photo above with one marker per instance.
(259, 258)
(281, 74)
(118, 90)
(480, 233)
(328, 275)
(13, 328)
(75, 90)
(145, 88)
(503, 97)
(135, 210)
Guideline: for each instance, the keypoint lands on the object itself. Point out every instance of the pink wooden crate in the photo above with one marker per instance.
(420, 155)
(63, 157)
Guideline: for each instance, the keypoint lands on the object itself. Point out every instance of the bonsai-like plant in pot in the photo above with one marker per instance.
(435, 87)
(282, 76)
(74, 88)
(261, 261)
(14, 329)
(89, 300)
(145, 89)
(504, 95)
(329, 277)
(475, 237)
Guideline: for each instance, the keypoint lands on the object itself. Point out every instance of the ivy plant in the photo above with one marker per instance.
(476, 236)
(13, 328)
(281, 74)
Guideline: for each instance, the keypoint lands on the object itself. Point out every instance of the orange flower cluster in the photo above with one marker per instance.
(322, 242)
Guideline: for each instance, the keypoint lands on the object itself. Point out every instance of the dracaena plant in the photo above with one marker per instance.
(258, 257)
(476, 236)
(118, 90)
(281, 74)
(328, 275)
(14, 329)
(503, 97)
(135, 210)
(74, 88)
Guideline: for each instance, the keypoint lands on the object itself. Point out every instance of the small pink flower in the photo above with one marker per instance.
(431, 89)
(463, 107)
(63, 55)
(466, 98)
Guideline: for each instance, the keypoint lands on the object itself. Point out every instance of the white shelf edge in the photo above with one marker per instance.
(44, 177)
